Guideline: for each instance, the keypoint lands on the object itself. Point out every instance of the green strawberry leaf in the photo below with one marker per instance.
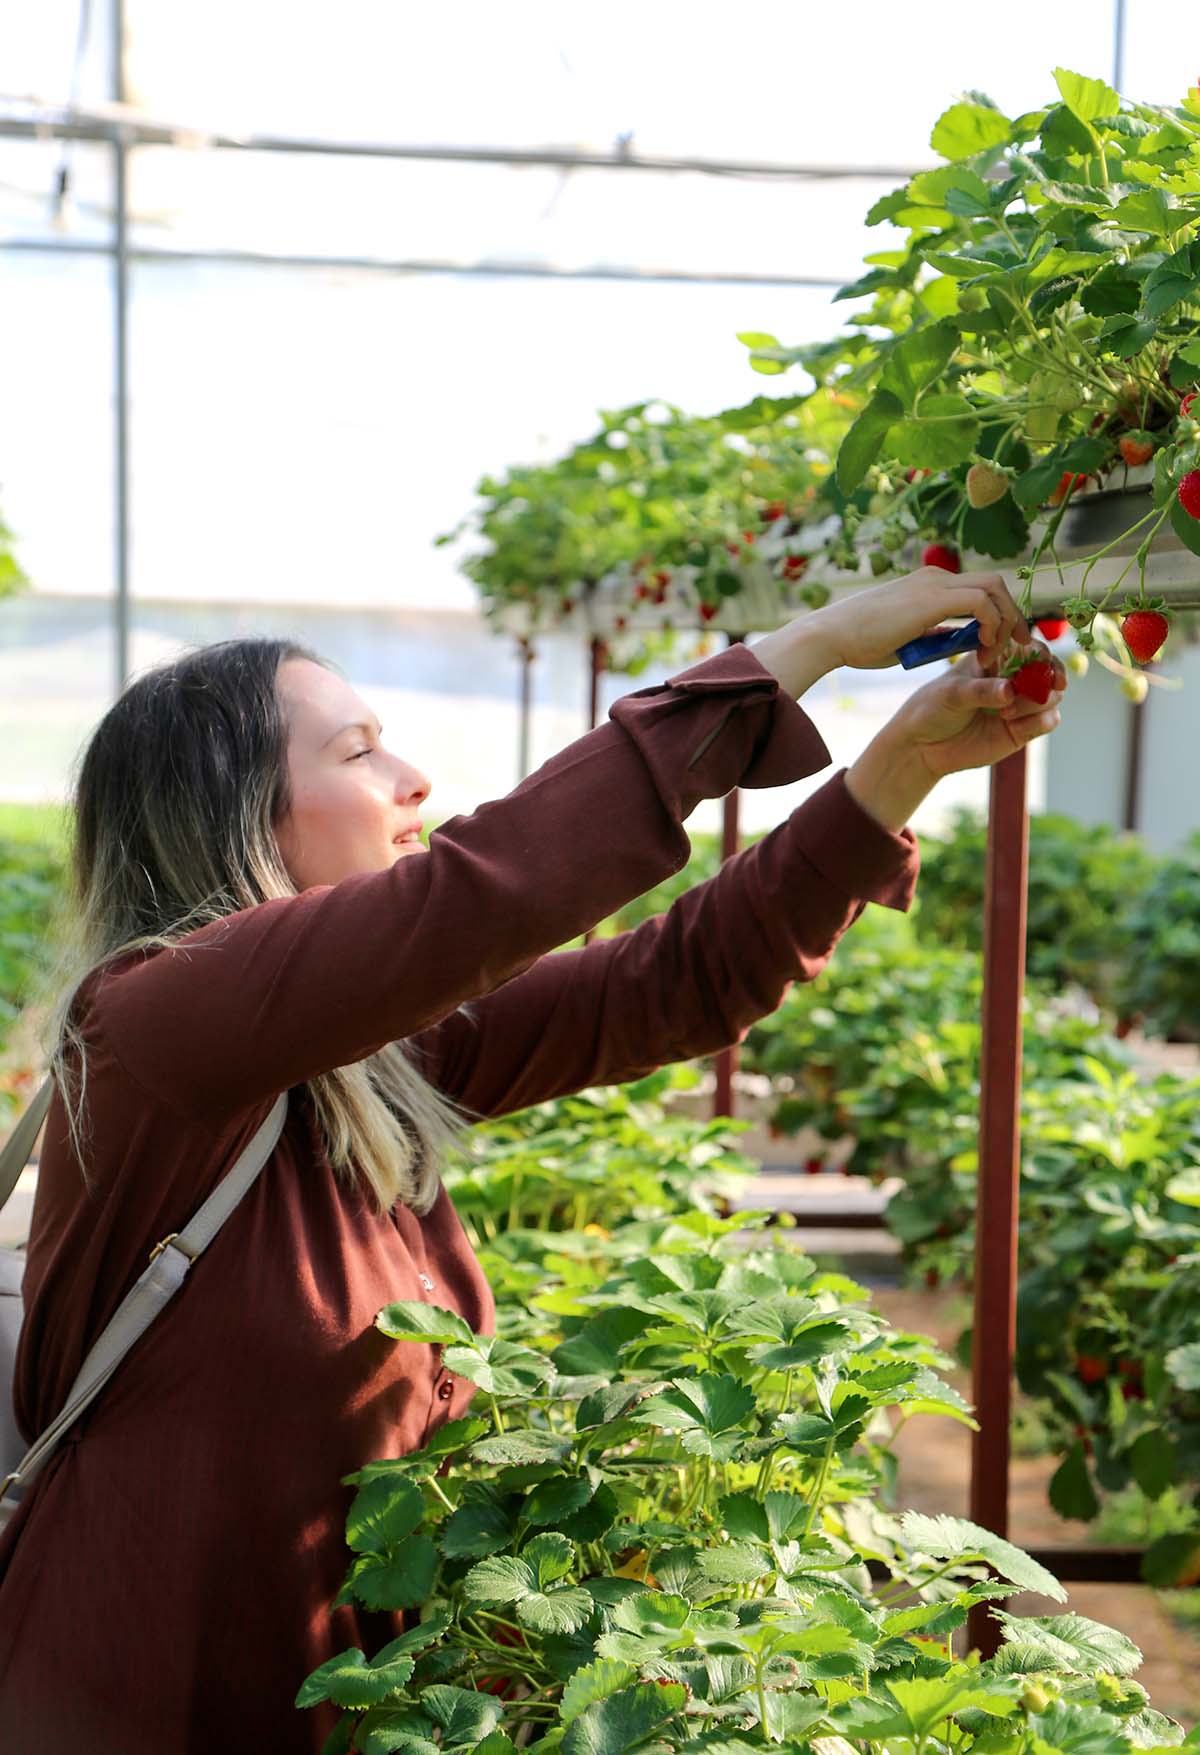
(864, 440)
(626, 1721)
(955, 1538)
(413, 1321)
(1071, 1642)
(383, 1513)
(400, 1579)
(350, 1681)
(463, 1715)
(593, 1682)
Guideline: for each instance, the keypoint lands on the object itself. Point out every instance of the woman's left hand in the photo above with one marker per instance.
(969, 719)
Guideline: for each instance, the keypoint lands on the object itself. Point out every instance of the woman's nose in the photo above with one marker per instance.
(411, 783)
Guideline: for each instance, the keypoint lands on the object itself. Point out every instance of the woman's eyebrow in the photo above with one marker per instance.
(357, 725)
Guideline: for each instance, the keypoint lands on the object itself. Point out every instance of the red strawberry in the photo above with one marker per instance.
(938, 555)
(747, 536)
(772, 510)
(1185, 407)
(1052, 627)
(1189, 493)
(1090, 1369)
(1034, 681)
(1144, 631)
(620, 622)
(641, 591)
(933, 1279)
(1067, 484)
(707, 611)
(794, 565)
(1136, 448)
(662, 579)
(813, 1166)
(735, 548)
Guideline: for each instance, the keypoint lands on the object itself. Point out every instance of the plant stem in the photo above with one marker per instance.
(818, 1489)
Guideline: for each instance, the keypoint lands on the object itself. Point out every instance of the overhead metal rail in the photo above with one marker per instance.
(31, 119)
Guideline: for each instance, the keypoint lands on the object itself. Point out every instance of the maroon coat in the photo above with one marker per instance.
(165, 1585)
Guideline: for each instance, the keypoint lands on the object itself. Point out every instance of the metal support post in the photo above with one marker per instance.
(994, 1333)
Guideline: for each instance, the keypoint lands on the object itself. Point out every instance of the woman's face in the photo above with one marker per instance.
(352, 800)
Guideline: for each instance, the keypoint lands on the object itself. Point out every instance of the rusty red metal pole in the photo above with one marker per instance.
(727, 1058)
(994, 1335)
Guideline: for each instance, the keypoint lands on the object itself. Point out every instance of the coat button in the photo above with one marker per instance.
(445, 1390)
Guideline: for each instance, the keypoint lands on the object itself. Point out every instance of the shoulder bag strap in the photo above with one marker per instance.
(169, 1263)
(15, 1155)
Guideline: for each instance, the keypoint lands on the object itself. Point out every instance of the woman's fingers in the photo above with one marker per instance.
(985, 596)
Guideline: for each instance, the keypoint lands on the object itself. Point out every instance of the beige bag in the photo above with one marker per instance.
(158, 1284)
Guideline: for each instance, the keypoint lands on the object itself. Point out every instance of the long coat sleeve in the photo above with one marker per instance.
(166, 1581)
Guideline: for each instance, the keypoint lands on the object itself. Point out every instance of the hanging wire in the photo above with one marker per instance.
(62, 176)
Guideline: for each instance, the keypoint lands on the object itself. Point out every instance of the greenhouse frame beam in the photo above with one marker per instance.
(105, 122)
(417, 265)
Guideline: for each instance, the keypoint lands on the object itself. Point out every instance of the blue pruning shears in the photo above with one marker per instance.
(944, 643)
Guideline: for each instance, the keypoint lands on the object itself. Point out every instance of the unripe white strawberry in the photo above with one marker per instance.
(1135, 687)
(1077, 663)
(985, 485)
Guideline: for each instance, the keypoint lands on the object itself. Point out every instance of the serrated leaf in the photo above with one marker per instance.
(383, 1513)
(500, 1579)
(945, 430)
(1072, 1642)
(954, 1538)
(595, 1349)
(918, 361)
(864, 440)
(412, 1321)
(734, 1563)
(594, 1682)
(521, 1447)
(549, 1556)
(565, 1608)
(966, 129)
(498, 1367)
(624, 1722)
(350, 1681)
(554, 1500)
(1088, 99)
(400, 1579)
(463, 1715)
(476, 1530)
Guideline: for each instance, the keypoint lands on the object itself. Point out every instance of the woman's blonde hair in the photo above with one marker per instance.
(175, 806)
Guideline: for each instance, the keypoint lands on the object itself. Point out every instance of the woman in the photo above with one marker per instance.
(257, 915)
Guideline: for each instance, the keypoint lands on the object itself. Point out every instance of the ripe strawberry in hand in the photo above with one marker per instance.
(938, 555)
(1034, 680)
(1144, 631)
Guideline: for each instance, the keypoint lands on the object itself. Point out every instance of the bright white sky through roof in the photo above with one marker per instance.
(307, 435)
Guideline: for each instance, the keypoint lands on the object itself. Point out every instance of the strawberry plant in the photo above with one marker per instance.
(665, 1529)
(1084, 884)
(1032, 340)
(1160, 979)
(665, 516)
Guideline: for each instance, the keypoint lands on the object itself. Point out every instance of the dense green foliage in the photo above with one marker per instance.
(667, 1527)
(1160, 977)
(1085, 886)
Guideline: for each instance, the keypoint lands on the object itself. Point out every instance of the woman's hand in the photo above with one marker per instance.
(865, 630)
(962, 719)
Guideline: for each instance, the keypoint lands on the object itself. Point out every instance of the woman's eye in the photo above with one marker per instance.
(354, 758)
